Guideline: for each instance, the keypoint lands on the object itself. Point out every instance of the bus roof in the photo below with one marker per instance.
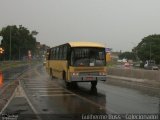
(85, 44)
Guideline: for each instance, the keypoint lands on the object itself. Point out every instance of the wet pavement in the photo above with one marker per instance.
(50, 97)
(20, 108)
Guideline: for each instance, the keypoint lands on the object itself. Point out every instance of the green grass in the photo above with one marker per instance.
(13, 64)
(111, 64)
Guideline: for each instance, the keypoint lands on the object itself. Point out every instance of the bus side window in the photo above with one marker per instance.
(65, 52)
(49, 55)
(57, 53)
(60, 53)
(72, 58)
(54, 54)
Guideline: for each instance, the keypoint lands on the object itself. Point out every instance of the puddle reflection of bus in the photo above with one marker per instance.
(77, 62)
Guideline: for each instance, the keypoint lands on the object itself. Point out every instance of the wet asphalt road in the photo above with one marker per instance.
(49, 96)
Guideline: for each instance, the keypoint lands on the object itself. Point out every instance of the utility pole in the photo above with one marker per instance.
(10, 51)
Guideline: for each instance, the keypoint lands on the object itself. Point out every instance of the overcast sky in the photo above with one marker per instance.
(119, 24)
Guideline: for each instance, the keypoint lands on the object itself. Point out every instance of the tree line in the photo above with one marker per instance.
(17, 41)
(147, 49)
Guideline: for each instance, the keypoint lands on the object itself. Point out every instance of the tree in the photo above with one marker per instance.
(149, 48)
(127, 55)
(34, 32)
(20, 39)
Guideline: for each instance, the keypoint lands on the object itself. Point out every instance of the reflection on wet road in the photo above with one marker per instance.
(50, 96)
(125, 100)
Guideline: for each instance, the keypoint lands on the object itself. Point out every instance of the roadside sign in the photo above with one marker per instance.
(108, 49)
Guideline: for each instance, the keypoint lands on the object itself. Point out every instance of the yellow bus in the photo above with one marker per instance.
(77, 62)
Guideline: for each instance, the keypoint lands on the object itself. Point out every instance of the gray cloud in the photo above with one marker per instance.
(120, 24)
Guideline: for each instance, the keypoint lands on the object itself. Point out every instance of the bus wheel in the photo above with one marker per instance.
(68, 84)
(93, 83)
(74, 85)
(51, 74)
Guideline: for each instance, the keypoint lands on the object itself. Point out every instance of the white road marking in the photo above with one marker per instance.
(56, 95)
(28, 86)
(38, 83)
(52, 91)
(46, 88)
(8, 102)
(29, 102)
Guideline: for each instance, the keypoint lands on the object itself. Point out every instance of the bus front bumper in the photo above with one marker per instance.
(88, 78)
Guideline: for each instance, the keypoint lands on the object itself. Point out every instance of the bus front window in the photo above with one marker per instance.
(88, 57)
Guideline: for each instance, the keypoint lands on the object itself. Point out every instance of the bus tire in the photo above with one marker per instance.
(68, 84)
(93, 83)
(51, 74)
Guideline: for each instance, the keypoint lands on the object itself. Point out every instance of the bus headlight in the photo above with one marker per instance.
(102, 73)
(75, 73)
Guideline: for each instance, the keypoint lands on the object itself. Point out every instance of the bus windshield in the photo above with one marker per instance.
(88, 57)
